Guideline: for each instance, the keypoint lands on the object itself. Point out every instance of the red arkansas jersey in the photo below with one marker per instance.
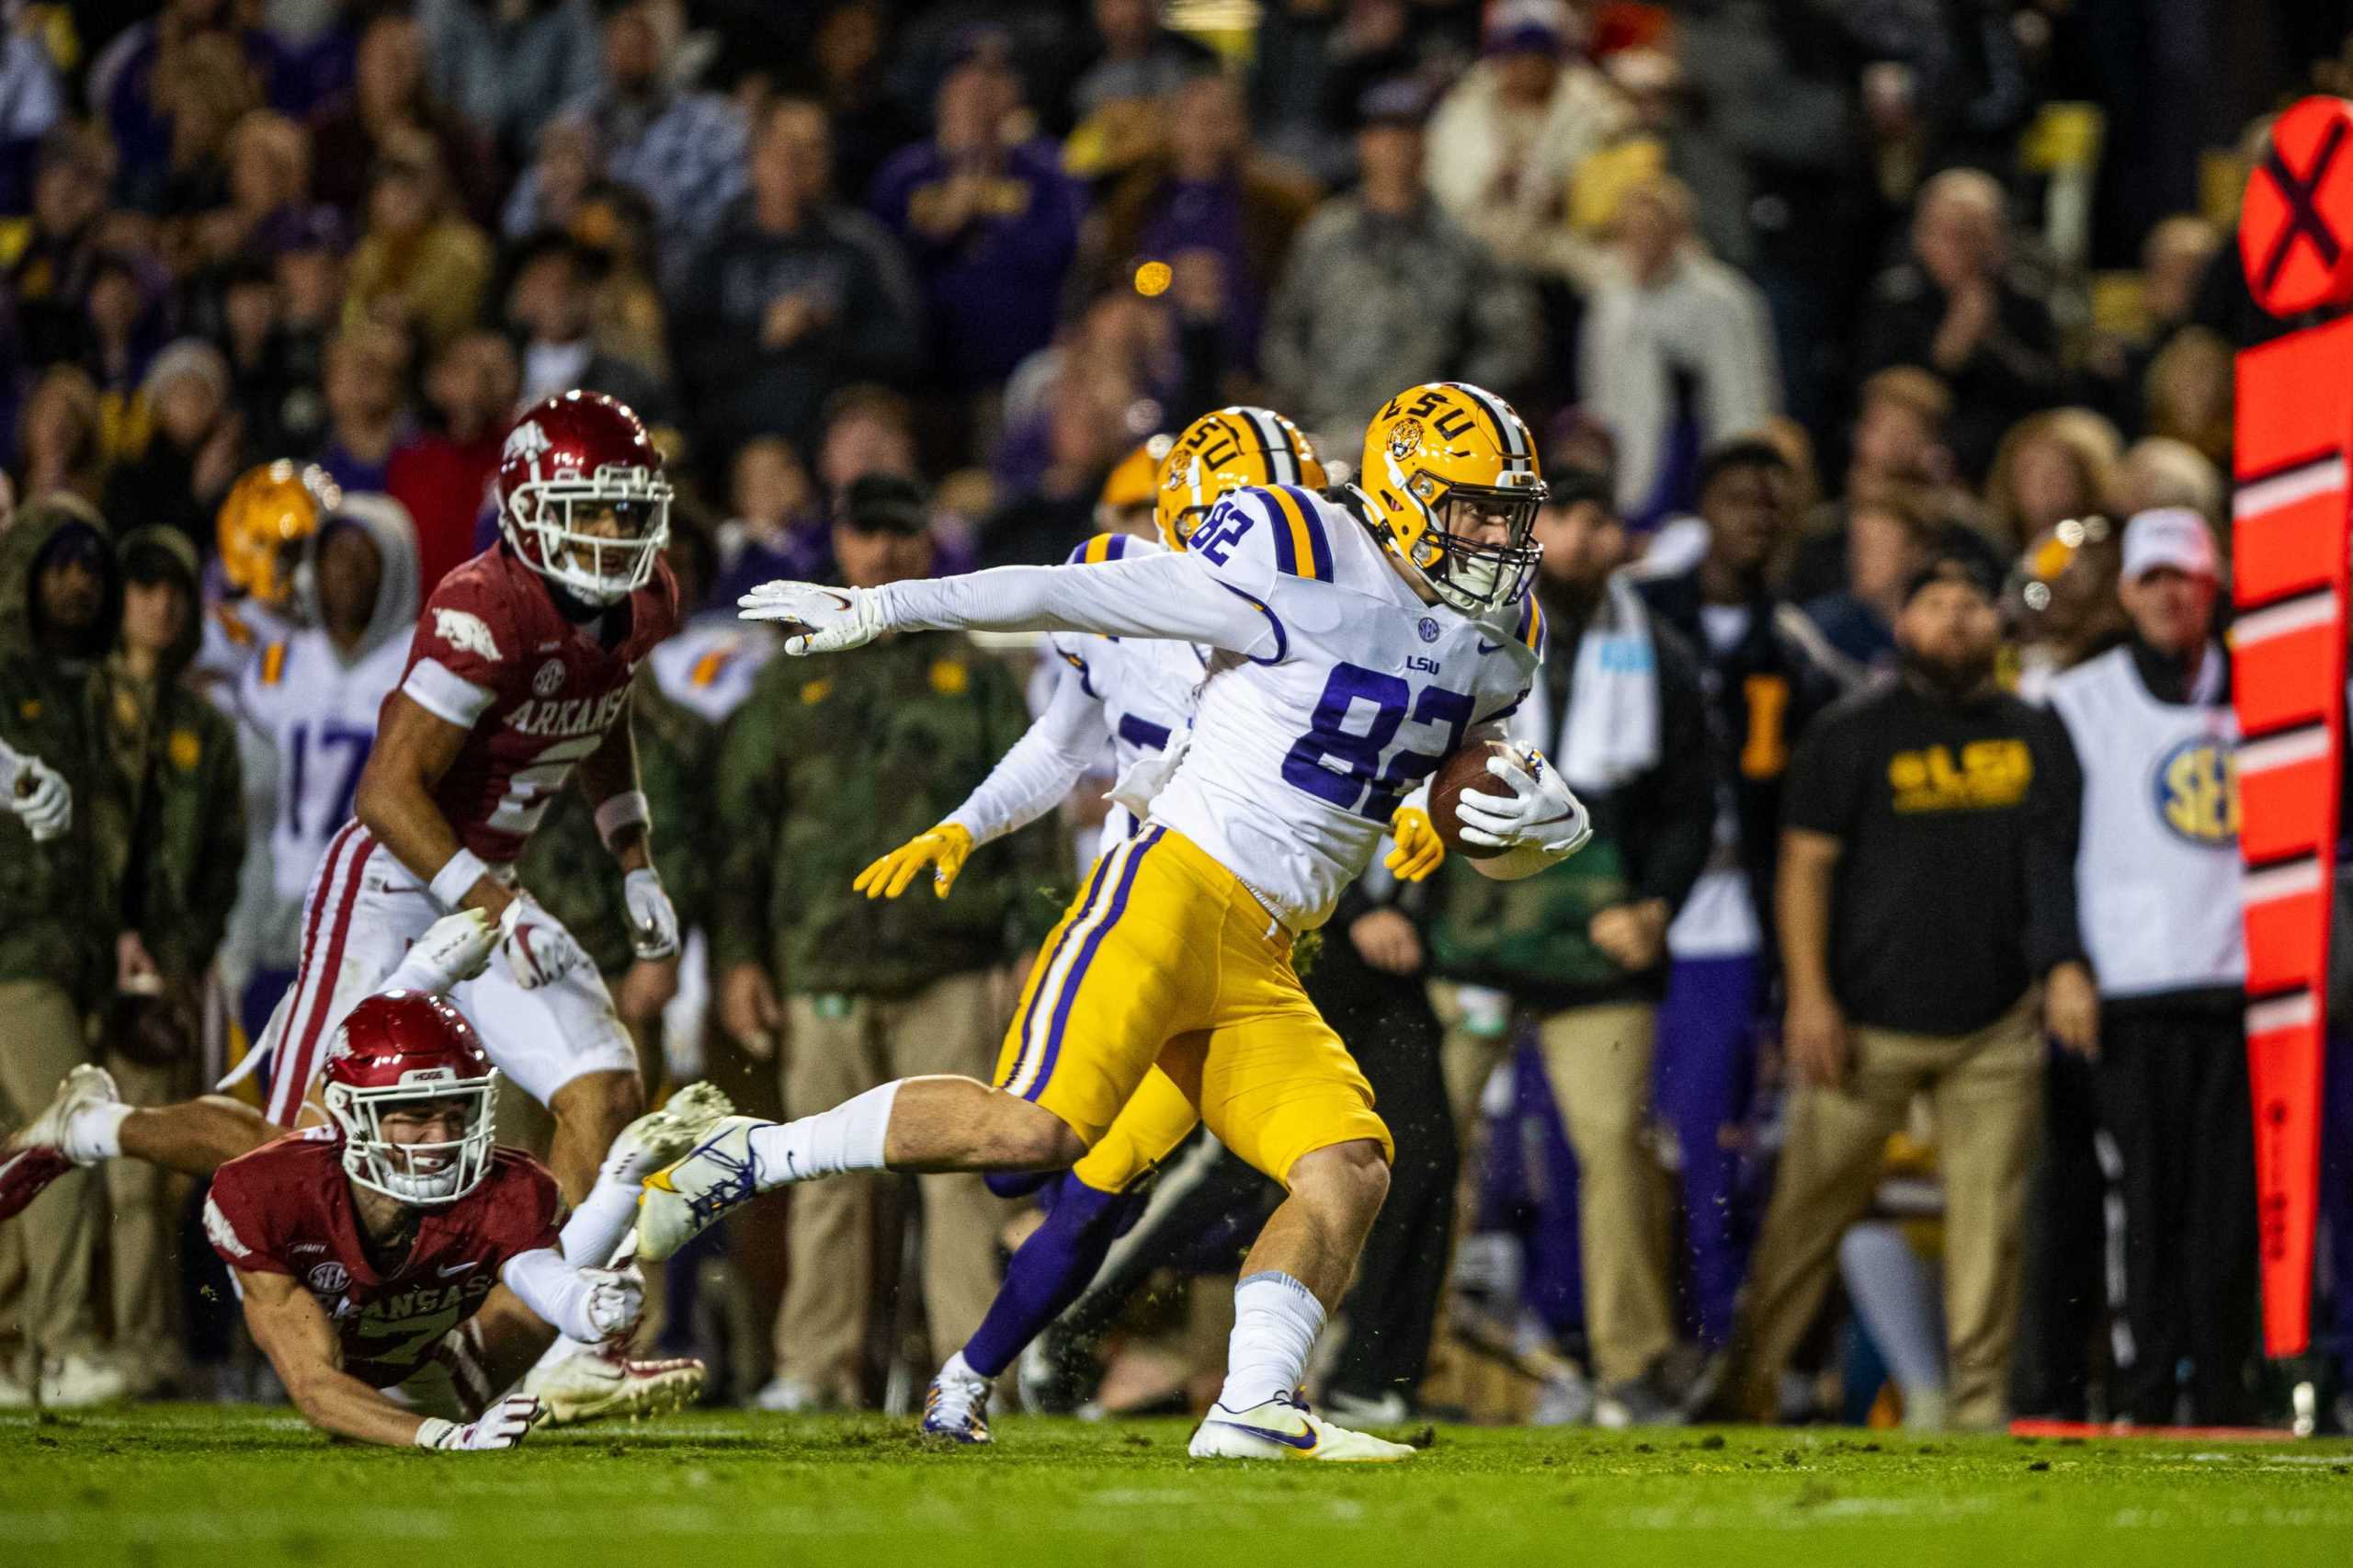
(287, 1209)
(493, 653)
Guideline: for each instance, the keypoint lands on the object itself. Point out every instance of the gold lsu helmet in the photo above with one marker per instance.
(1231, 448)
(1439, 458)
(267, 517)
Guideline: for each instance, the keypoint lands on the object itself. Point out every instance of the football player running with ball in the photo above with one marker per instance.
(1358, 643)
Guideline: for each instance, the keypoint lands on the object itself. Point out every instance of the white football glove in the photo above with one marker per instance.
(538, 950)
(47, 809)
(817, 619)
(616, 1300)
(453, 949)
(1541, 810)
(503, 1425)
(653, 923)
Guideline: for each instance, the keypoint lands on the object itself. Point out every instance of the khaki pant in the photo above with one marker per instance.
(1598, 1060)
(142, 1205)
(841, 1050)
(45, 1253)
(1985, 1090)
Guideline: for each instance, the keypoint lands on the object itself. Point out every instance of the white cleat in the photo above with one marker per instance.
(718, 1174)
(77, 1382)
(662, 1137)
(604, 1383)
(1284, 1428)
(956, 1406)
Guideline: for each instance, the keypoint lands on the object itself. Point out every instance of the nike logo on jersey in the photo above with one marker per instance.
(454, 1269)
(1487, 647)
(1303, 1441)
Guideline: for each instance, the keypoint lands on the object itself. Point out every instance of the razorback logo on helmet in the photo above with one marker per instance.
(526, 442)
(465, 632)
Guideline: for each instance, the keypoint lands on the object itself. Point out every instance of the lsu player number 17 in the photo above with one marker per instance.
(1357, 641)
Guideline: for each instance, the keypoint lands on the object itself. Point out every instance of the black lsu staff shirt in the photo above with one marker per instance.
(1954, 889)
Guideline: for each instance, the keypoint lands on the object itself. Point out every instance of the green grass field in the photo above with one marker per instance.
(172, 1485)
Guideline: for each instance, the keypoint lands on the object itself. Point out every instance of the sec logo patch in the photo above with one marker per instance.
(328, 1279)
(550, 678)
(2196, 791)
(1429, 628)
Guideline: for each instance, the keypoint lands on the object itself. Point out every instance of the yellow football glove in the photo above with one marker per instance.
(1419, 849)
(945, 849)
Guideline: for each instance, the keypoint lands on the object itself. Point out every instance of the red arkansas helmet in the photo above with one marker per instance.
(581, 495)
(404, 1049)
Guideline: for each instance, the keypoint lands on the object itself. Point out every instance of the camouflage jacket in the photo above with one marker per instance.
(566, 867)
(59, 901)
(833, 761)
(177, 755)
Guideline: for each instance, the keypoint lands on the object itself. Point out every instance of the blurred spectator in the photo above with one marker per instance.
(1206, 203)
(307, 265)
(788, 304)
(872, 992)
(180, 753)
(1675, 353)
(509, 67)
(194, 449)
(1384, 291)
(71, 182)
(2158, 470)
(868, 121)
(2173, 259)
(419, 262)
(776, 526)
(443, 475)
(267, 175)
(1617, 705)
(32, 102)
(126, 318)
(207, 85)
(554, 187)
(2054, 466)
(2188, 393)
(61, 606)
(2157, 887)
(1086, 435)
(869, 429)
(131, 83)
(1671, 132)
(367, 402)
(1141, 59)
(2066, 610)
(988, 219)
(60, 448)
(1889, 534)
(1925, 890)
(1506, 139)
(1898, 442)
(618, 223)
(551, 306)
(1955, 308)
(684, 150)
(390, 105)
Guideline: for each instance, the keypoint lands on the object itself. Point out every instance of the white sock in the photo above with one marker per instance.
(95, 1132)
(1275, 1320)
(595, 1231)
(958, 1370)
(847, 1138)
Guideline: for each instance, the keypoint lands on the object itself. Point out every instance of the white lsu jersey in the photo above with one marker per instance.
(317, 715)
(1335, 693)
(1144, 687)
(1301, 756)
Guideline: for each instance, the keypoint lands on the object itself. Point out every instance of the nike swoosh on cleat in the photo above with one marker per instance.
(1304, 1442)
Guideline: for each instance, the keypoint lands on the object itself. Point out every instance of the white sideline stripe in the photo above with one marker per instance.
(2309, 744)
(2300, 614)
(2282, 881)
(2282, 1013)
(2287, 489)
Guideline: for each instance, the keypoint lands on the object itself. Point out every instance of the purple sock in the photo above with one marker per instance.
(1049, 1272)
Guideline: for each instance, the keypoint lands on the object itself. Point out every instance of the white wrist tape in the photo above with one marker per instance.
(456, 879)
(432, 1431)
(628, 809)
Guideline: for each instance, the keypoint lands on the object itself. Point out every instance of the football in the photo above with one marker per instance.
(1466, 769)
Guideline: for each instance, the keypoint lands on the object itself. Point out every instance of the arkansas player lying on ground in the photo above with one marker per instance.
(409, 1241)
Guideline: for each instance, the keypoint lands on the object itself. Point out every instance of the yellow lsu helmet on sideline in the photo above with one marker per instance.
(264, 521)
(1229, 450)
(1439, 459)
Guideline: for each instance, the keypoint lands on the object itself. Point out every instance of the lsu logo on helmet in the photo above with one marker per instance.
(1451, 471)
(1231, 448)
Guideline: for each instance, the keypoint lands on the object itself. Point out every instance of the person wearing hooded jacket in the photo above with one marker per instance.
(307, 707)
(176, 753)
(61, 602)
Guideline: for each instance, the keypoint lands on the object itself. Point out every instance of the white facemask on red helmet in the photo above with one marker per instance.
(581, 495)
(410, 1050)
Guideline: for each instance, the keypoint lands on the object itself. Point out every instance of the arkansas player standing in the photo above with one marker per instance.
(360, 1248)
